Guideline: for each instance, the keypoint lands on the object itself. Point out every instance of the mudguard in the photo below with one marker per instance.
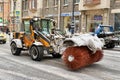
(37, 43)
(18, 42)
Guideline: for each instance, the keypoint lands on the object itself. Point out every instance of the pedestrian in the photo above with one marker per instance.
(7, 31)
(72, 29)
(68, 26)
(67, 30)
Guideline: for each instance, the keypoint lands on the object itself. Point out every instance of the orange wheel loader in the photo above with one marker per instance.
(39, 37)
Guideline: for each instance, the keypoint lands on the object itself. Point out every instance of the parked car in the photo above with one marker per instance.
(2, 37)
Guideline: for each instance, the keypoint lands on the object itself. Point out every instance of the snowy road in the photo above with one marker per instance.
(23, 68)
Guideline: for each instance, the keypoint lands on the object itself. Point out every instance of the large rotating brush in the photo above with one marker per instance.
(78, 57)
(97, 56)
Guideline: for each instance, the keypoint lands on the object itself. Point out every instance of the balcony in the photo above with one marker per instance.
(91, 2)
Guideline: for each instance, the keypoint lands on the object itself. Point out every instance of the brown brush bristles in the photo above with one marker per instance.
(97, 56)
(82, 57)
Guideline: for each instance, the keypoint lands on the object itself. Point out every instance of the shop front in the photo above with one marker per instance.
(92, 18)
(93, 21)
(66, 19)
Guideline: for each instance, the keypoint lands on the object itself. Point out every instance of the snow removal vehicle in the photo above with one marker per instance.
(39, 37)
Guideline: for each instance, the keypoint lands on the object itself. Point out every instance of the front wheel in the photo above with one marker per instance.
(14, 49)
(36, 53)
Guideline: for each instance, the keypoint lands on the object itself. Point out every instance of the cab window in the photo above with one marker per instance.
(46, 26)
(27, 26)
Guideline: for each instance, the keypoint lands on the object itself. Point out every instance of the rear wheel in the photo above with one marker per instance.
(14, 49)
(110, 45)
(36, 53)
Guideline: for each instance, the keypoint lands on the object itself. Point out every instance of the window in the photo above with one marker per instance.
(33, 4)
(37, 26)
(55, 2)
(65, 2)
(76, 1)
(25, 4)
(45, 26)
(27, 26)
(47, 3)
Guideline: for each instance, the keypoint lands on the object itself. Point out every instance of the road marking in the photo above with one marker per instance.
(20, 75)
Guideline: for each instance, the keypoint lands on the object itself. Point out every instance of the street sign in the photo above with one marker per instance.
(17, 21)
(17, 13)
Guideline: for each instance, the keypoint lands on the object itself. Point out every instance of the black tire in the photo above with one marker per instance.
(56, 55)
(111, 45)
(36, 53)
(4, 42)
(15, 51)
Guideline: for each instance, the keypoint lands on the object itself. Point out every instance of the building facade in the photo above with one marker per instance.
(21, 9)
(15, 15)
(93, 13)
(31, 8)
(61, 11)
(4, 13)
(88, 14)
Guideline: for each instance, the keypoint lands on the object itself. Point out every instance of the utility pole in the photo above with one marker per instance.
(59, 13)
(72, 19)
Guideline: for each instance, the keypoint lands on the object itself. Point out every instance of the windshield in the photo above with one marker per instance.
(43, 25)
(27, 26)
(107, 28)
(37, 26)
(46, 26)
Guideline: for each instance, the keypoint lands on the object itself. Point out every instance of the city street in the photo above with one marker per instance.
(65, 27)
(24, 68)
